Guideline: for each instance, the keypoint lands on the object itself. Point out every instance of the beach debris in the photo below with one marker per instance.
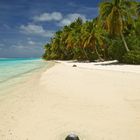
(72, 136)
(74, 65)
(107, 62)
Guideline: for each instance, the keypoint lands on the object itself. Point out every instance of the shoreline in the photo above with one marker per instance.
(95, 104)
(18, 81)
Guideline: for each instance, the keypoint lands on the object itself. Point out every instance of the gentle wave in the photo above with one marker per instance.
(15, 67)
(20, 74)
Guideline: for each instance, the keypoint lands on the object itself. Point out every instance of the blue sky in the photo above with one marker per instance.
(26, 25)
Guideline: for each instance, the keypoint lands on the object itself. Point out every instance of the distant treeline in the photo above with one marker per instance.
(113, 34)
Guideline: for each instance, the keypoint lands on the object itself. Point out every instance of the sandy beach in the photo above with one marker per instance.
(95, 103)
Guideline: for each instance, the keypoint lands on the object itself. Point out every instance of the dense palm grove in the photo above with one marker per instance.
(113, 34)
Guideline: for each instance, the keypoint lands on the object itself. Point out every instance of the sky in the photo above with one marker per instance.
(26, 25)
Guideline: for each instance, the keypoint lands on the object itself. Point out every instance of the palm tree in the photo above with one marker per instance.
(71, 37)
(116, 14)
(92, 36)
(56, 46)
(47, 49)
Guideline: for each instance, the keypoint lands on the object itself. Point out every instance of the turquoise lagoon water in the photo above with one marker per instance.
(15, 68)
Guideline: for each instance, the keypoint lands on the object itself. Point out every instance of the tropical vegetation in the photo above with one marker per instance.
(113, 34)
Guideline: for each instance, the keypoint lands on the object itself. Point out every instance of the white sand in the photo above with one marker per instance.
(95, 104)
(104, 66)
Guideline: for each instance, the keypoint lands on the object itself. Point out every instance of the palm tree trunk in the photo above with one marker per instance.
(85, 53)
(125, 44)
(98, 54)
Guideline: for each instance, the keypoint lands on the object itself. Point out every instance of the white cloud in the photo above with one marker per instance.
(57, 16)
(35, 30)
(70, 18)
(30, 42)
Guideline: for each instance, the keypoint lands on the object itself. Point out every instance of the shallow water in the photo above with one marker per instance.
(12, 70)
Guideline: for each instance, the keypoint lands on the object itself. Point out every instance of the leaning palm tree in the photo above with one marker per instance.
(116, 14)
(92, 37)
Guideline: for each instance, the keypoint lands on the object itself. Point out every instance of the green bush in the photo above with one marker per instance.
(116, 50)
(133, 42)
(132, 57)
